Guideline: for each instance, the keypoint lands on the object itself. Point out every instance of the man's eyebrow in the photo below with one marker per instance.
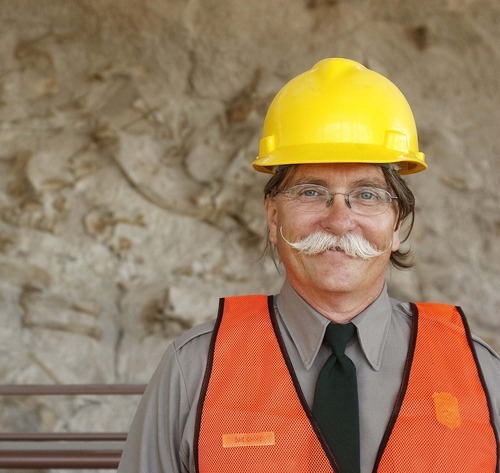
(372, 182)
(311, 180)
(368, 182)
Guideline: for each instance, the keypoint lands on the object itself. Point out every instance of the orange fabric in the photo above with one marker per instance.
(252, 418)
(444, 422)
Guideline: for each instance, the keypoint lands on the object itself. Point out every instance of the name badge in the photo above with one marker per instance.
(253, 439)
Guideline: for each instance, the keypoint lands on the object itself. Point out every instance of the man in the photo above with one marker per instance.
(266, 387)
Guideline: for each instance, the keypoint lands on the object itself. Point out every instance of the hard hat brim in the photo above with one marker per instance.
(330, 153)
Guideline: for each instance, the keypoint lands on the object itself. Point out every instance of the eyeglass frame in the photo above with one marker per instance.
(347, 197)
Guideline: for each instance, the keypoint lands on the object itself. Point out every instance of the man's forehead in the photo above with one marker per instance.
(348, 172)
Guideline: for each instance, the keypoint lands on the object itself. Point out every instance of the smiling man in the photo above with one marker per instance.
(336, 284)
(331, 374)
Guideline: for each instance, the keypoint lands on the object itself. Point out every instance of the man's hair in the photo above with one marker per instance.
(405, 206)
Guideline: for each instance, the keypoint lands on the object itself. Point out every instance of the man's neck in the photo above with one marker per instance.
(339, 307)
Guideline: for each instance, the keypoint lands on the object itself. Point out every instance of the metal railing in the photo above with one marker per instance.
(42, 450)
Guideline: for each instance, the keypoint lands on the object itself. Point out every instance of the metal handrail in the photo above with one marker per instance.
(60, 459)
(63, 436)
(73, 450)
(70, 389)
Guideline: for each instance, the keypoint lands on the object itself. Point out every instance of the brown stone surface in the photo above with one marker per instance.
(127, 201)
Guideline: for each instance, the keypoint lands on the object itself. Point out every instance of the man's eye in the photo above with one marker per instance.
(367, 195)
(309, 192)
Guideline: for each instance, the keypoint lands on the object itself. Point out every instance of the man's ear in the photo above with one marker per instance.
(272, 219)
(396, 241)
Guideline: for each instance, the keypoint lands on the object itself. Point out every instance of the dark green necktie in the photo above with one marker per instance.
(336, 400)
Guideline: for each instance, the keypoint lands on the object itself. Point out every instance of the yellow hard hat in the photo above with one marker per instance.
(340, 112)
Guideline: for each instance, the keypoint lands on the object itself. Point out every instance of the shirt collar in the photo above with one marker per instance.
(307, 327)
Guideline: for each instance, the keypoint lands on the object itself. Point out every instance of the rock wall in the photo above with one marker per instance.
(127, 202)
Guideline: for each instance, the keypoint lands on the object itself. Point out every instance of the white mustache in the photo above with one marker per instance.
(351, 244)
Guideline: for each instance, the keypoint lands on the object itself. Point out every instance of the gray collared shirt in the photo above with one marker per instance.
(162, 433)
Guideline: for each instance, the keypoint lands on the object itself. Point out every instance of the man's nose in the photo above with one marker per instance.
(338, 217)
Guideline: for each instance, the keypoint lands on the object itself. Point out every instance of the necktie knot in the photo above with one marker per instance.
(337, 336)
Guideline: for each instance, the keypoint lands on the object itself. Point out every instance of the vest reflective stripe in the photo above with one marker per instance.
(253, 418)
(444, 423)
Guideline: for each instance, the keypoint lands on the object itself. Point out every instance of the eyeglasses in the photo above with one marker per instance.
(361, 200)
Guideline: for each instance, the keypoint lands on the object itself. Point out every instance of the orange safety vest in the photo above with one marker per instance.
(252, 415)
